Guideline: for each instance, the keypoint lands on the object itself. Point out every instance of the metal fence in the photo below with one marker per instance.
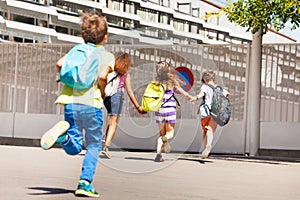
(28, 76)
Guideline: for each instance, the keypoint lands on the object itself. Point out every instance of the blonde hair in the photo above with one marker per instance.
(208, 76)
(165, 74)
(93, 28)
(122, 62)
(162, 70)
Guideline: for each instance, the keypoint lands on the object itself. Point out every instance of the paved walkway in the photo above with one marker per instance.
(31, 173)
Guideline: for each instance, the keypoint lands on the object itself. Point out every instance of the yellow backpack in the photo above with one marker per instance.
(153, 95)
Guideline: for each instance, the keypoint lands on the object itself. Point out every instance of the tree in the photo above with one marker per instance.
(258, 16)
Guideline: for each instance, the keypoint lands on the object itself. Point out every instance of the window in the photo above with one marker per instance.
(153, 16)
(142, 14)
(151, 32)
(194, 28)
(120, 22)
(148, 15)
(179, 26)
(129, 8)
(114, 5)
(164, 19)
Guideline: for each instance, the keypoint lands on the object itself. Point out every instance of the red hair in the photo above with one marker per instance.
(122, 62)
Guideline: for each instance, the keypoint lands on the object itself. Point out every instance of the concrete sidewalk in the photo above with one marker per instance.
(32, 173)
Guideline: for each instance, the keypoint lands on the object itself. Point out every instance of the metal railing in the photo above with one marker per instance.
(28, 74)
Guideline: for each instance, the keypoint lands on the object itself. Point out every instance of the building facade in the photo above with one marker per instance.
(160, 22)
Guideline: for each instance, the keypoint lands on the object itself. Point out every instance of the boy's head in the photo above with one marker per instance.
(122, 62)
(208, 76)
(94, 28)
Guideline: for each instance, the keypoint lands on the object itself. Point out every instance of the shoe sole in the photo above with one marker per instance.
(160, 160)
(206, 152)
(50, 137)
(85, 193)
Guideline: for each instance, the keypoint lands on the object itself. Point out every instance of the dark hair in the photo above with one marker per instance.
(93, 28)
(208, 76)
(122, 62)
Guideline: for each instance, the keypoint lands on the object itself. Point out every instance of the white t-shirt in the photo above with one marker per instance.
(207, 100)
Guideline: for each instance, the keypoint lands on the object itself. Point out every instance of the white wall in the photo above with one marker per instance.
(142, 133)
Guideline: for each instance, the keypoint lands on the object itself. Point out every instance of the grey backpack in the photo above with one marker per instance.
(220, 107)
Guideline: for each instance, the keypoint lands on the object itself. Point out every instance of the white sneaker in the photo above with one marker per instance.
(166, 145)
(206, 152)
(105, 153)
(52, 135)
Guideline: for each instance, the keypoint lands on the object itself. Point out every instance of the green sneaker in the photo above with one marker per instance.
(85, 188)
(57, 134)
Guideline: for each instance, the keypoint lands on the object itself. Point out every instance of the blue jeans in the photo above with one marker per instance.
(114, 103)
(90, 119)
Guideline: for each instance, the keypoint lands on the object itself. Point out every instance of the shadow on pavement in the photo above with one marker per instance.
(196, 160)
(49, 191)
(139, 158)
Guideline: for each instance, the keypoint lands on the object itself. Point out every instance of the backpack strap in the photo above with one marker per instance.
(111, 80)
(170, 98)
(211, 86)
(203, 103)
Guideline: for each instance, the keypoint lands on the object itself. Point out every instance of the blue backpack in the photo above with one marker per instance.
(80, 67)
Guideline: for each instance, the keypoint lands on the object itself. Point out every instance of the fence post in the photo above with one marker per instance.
(246, 107)
(253, 119)
(14, 108)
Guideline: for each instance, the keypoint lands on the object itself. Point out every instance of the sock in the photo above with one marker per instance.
(169, 135)
(159, 145)
(210, 137)
(62, 139)
(87, 181)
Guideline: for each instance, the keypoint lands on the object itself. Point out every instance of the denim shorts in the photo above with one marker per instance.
(114, 103)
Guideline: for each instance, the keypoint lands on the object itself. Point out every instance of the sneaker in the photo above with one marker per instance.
(158, 158)
(105, 153)
(57, 134)
(206, 152)
(166, 145)
(85, 188)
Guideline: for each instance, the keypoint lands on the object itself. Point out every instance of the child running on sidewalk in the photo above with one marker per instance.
(208, 123)
(114, 103)
(83, 109)
(166, 116)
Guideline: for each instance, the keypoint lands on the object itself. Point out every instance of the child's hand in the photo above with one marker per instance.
(188, 97)
(141, 111)
(193, 99)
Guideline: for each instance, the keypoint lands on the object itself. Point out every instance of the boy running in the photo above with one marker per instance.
(83, 109)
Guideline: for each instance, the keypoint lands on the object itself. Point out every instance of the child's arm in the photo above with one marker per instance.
(226, 93)
(183, 92)
(60, 62)
(198, 96)
(131, 95)
(103, 80)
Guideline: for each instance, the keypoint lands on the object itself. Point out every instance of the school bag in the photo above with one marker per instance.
(220, 107)
(153, 95)
(80, 67)
(113, 80)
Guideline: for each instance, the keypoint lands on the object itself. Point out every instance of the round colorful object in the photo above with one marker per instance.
(186, 76)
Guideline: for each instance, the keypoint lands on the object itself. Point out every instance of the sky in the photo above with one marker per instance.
(295, 34)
